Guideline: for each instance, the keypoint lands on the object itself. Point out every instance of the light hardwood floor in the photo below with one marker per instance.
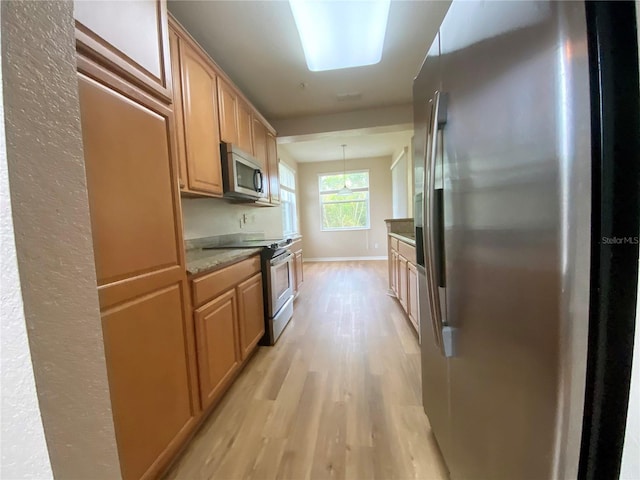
(338, 396)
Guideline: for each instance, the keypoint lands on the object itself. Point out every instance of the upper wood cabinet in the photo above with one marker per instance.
(228, 110)
(245, 130)
(129, 38)
(177, 109)
(260, 142)
(272, 167)
(199, 107)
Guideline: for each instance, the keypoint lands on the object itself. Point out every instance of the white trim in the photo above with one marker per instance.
(405, 151)
(344, 259)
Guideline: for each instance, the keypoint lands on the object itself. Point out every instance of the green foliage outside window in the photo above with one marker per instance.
(342, 211)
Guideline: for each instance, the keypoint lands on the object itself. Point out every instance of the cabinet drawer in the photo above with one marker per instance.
(407, 251)
(394, 244)
(207, 287)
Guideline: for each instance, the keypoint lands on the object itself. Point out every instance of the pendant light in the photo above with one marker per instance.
(344, 190)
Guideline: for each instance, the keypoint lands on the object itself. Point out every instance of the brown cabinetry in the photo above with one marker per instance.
(210, 110)
(260, 143)
(129, 152)
(412, 300)
(402, 281)
(272, 168)
(245, 132)
(403, 277)
(298, 273)
(228, 110)
(218, 352)
(229, 321)
(251, 320)
(196, 94)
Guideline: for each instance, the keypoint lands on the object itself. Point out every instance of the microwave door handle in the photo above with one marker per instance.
(257, 180)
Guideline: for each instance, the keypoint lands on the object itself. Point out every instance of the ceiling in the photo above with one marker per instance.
(357, 146)
(257, 44)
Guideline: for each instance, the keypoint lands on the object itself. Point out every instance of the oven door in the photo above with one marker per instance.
(280, 283)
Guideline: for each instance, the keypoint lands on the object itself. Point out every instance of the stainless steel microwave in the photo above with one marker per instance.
(242, 177)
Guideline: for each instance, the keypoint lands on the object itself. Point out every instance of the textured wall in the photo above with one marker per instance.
(53, 237)
(350, 243)
(22, 442)
(207, 217)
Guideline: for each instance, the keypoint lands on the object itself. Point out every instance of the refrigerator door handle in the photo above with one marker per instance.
(446, 334)
(427, 236)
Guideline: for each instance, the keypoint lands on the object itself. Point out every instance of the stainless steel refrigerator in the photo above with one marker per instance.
(518, 188)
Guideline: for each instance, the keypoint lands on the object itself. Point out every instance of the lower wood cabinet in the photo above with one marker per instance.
(402, 282)
(412, 292)
(403, 278)
(251, 319)
(298, 273)
(216, 337)
(229, 323)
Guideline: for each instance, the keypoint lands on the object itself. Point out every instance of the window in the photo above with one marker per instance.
(288, 199)
(344, 211)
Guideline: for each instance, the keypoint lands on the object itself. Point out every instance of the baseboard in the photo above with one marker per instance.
(343, 259)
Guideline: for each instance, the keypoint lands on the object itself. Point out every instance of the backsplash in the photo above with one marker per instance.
(206, 217)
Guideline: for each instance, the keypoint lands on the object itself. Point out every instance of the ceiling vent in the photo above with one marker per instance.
(349, 97)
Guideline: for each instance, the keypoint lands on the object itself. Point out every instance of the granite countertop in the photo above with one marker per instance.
(199, 260)
(409, 238)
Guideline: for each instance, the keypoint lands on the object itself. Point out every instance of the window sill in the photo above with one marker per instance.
(344, 229)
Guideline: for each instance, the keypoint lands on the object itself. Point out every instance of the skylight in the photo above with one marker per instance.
(341, 34)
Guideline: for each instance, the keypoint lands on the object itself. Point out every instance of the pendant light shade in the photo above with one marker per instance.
(344, 190)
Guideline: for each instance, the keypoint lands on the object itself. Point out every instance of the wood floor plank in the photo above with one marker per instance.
(338, 396)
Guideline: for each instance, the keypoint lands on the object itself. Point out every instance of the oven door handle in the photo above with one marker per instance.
(285, 257)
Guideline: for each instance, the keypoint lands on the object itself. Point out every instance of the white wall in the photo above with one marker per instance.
(207, 217)
(400, 184)
(630, 469)
(371, 242)
(22, 441)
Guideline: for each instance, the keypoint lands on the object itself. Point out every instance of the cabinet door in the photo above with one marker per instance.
(174, 42)
(298, 269)
(260, 143)
(227, 103)
(217, 345)
(134, 206)
(148, 365)
(129, 38)
(412, 292)
(200, 123)
(245, 135)
(402, 281)
(394, 272)
(251, 307)
(272, 164)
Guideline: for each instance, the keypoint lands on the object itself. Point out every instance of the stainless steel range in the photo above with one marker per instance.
(277, 283)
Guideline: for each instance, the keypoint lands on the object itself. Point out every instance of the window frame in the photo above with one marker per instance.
(293, 191)
(360, 189)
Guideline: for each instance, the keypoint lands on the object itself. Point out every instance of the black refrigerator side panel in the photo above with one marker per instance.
(613, 59)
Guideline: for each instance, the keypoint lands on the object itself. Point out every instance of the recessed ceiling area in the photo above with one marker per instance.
(327, 148)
